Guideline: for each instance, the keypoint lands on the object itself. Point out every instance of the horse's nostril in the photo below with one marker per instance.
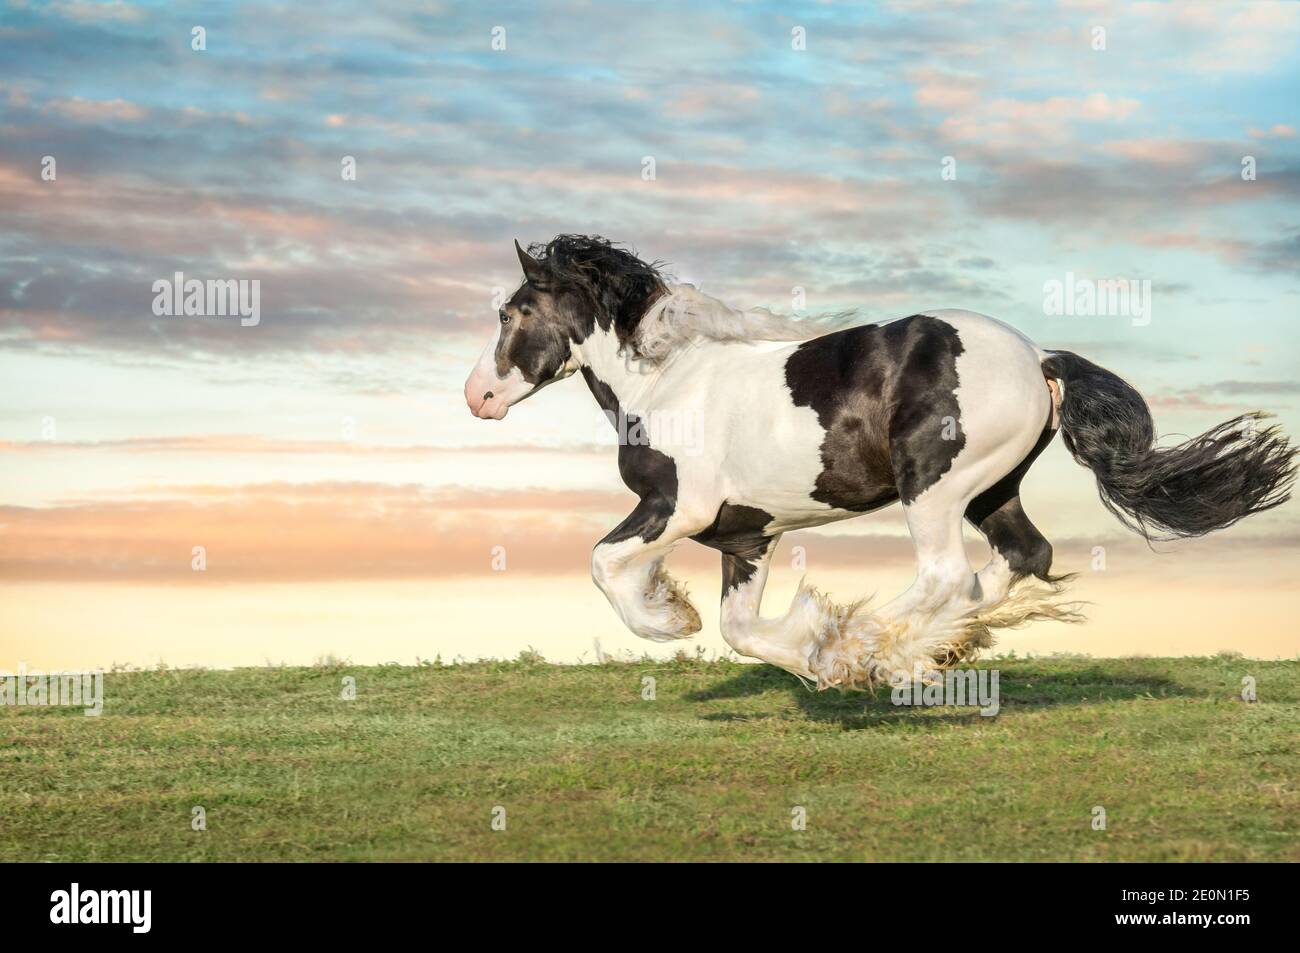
(487, 396)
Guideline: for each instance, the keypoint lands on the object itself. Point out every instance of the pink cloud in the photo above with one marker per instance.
(261, 445)
(1227, 248)
(280, 532)
(705, 100)
(1277, 131)
(1046, 122)
(936, 89)
(97, 110)
(96, 12)
(1156, 151)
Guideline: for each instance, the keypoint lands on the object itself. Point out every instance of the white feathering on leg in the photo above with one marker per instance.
(859, 649)
(666, 599)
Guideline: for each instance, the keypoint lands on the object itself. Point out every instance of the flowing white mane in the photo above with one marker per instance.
(685, 313)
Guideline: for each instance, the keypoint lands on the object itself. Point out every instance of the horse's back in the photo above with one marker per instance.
(852, 420)
(900, 401)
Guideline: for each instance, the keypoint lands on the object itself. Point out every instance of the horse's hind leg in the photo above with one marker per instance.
(1019, 549)
(943, 572)
(785, 641)
(947, 613)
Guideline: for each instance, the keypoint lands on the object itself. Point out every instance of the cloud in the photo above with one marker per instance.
(280, 532)
(1278, 255)
(1256, 387)
(775, 168)
(1168, 152)
(726, 98)
(97, 110)
(1277, 131)
(1199, 397)
(947, 92)
(1139, 203)
(294, 532)
(105, 10)
(1186, 400)
(1027, 124)
(246, 444)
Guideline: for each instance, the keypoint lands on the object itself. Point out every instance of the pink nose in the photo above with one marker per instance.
(475, 396)
(482, 400)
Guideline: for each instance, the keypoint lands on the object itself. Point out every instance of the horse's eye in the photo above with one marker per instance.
(505, 318)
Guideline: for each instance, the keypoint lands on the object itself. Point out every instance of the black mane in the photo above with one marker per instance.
(619, 284)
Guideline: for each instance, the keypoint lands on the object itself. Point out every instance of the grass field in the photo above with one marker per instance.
(711, 769)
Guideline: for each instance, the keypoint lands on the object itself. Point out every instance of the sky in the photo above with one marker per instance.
(908, 156)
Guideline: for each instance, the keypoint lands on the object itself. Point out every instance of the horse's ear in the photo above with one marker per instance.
(532, 267)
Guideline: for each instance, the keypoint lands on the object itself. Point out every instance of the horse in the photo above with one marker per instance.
(809, 421)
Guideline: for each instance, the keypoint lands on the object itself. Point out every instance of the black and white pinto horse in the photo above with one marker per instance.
(805, 423)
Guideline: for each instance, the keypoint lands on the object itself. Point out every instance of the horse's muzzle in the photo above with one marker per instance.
(483, 400)
(488, 394)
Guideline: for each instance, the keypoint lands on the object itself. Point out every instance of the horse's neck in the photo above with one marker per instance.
(636, 385)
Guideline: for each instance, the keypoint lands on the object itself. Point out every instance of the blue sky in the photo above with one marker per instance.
(774, 168)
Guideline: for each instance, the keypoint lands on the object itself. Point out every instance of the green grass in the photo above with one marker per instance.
(710, 770)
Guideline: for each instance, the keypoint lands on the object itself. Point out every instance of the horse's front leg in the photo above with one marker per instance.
(627, 566)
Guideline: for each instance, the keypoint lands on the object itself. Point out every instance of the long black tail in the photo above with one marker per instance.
(1206, 483)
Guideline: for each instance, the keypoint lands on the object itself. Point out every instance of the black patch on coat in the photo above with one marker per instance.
(1000, 517)
(648, 473)
(738, 533)
(881, 393)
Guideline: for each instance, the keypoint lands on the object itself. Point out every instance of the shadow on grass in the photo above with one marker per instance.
(1018, 690)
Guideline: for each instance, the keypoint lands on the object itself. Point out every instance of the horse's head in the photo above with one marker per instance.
(533, 342)
(579, 282)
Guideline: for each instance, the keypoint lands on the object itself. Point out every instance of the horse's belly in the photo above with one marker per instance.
(760, 450)
(773, 461)
(792, 519)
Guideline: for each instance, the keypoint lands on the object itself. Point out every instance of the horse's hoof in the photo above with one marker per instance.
(670, 613)
(686, 619)
(841, 662)
(672, 619)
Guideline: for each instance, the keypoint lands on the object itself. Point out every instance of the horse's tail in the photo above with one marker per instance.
(1203, 484)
